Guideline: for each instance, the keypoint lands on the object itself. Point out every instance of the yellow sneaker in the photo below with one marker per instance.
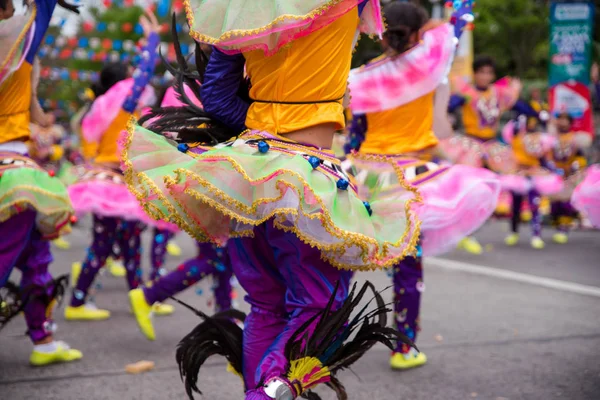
(63, 353)
(560, 238)
(537, 243)
(75, 272)
(143, 312)
(173, 249)
(511, 239)
(115, 268)
(470, 245)
(526, 216)
(410, 360)
(86, 312)
(162, 309)
(61, 243)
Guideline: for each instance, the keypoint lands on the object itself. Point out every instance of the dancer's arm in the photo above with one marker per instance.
(219, 93)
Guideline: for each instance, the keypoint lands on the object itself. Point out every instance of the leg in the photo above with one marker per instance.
(15, 233)
(131, 249)
(408, 286)
(536, 220)
(184, 276)
(309, 282)
(254, 265)
(562, 213)
(222, 280)
(516, 212)
(101, 247)
(160, 238)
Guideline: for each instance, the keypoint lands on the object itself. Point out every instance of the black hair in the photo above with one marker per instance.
(403, 19)
(483, 61)
(4, 4)
(109, 76)
(191, 123)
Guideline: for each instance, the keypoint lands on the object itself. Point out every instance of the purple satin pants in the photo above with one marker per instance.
(408, 286)
(287, 283)
(158, 252)
(211, 260)
(22, 247)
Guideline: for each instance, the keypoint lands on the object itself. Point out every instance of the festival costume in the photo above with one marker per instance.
(34, 207)
(586, 196)
(296, 211)
(397, 124)
(101, 190)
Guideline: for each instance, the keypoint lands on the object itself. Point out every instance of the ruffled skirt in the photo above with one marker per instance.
(586, 197)
(102, 191)
(456, 200)
(224, 191)
(26, 186)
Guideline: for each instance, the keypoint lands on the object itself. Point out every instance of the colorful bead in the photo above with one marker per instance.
(368, 207)
(314, 161)
(183, 147)
(419, 251)
(263, 146)
(343, 184)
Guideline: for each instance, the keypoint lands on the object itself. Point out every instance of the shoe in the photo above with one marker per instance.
(86, 312)
(511, 239)
(560, 238)
(173, 249)
(537, 243)
(410, 360)
(63, 353)
(61, 243)
(143, 312)
(470, 245)
(115, 268)
(162, 309)
(75, 272)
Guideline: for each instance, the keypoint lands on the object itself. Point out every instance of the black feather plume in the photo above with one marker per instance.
(216, 335)
(11, 303)
(71, 7)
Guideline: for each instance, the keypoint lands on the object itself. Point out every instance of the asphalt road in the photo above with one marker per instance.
(513, 323)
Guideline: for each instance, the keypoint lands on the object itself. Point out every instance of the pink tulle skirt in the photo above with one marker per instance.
(545, 184)
(456, 200)
(586, 197)
(107, 195)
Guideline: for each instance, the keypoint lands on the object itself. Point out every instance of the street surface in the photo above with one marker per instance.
(513, 323)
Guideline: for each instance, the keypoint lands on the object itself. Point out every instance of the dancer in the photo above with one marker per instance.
(293, 213)
(401, 122)
(482, 106)
(34, 207)
(525, 173)
(568, 158)
(101, 190)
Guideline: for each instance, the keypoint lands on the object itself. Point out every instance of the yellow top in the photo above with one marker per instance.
(107, 150)
(474, 123)
(403, 129)
(88, 149)
(523, 158)
(15, 100)
(566, 154)
(312, 68)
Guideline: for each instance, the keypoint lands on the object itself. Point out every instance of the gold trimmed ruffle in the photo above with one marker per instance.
(159, 203)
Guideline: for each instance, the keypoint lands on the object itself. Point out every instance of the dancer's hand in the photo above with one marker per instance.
(516, 85)
(149, 23)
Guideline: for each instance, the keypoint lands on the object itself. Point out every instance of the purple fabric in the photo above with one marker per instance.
(211, 260)
(408, 286)
(44, 10)
(287, 283)
(143, 73)
(158, 252)
(534, 200)
(22, 247)
(219, 92)
(358, 131)
(107, 232)
(561, 210)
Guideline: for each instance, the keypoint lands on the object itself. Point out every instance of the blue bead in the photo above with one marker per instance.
(263, 146)
(220, 266)
(343, 184)
(314, 161)
(182, 147)
(199, 292)
(419, 251)
(160, 238)
(79, 295)
(194, 270)
(368, 207)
